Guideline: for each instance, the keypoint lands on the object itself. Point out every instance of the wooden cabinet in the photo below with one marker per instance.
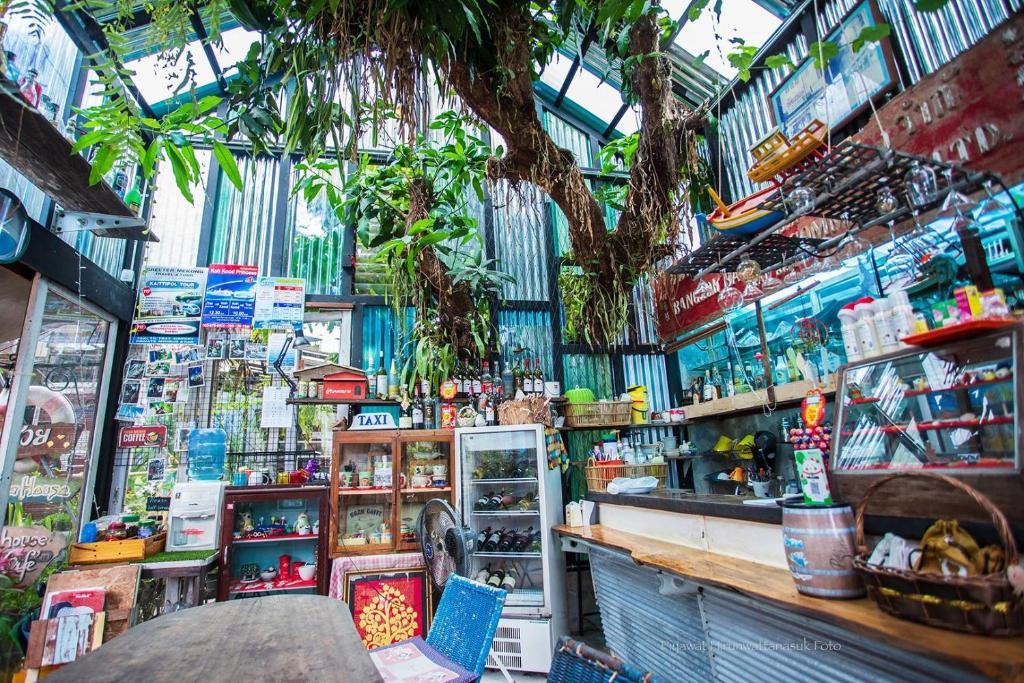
(380, 480)
(251, 537)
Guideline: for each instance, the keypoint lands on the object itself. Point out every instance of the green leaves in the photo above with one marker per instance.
(823, 52)
(227, 163)
(776, 61)
(696, 8)
(742, 57)
(870, 34)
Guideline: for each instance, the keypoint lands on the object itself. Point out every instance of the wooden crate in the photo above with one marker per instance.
(106, 552)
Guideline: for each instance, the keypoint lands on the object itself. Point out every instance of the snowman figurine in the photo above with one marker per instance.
(302, 525)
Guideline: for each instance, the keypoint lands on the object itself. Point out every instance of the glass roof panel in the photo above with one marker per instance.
(743, 19)
(589, 92)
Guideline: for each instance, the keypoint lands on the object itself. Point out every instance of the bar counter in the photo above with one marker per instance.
(1000, 659)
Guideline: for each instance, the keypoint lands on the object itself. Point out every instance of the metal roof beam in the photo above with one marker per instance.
(580, 54)
(211, 56)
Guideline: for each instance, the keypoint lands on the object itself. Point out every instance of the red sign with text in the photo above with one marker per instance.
(142, 437)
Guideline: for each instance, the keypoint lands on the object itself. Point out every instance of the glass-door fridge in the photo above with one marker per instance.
(510, 498)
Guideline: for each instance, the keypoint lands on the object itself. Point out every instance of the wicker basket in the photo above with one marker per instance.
(983, 604)
(525, 411)
(599, 475)
(602, 414)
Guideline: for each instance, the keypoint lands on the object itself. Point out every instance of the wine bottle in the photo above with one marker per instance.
(382, 379)
(522, 540)
(481, 538)
(508, 381)
(483, 574)
(393, 381)
(495, 502)
(535, 543)
(527, 379)
(508, 582)
(489, 410)
(496, 578)
(478, 383)
(405, 411)
(506, 540)
(482, 502)
(492, 541)
(517, 381)
(417, 410)
(425, 387)
(538, 378)
(428, 413)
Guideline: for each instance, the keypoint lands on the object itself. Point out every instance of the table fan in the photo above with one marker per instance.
(445, 542)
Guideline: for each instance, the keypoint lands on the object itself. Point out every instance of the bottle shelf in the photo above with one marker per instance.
(522, 480)
(427, 489)
(276, 539)
(506, 513)
(364, 492)
(497, 554)
(927, 426)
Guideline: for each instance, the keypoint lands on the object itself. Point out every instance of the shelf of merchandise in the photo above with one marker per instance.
(427, 489)
(508, 555)
(33, 146)
(957, 387)
(364, 492)
(523, 480)
(275, 586)
(276, 539)
(342, 402)
(629, 427)
(506, 513)
(927, 426)
(786, 395)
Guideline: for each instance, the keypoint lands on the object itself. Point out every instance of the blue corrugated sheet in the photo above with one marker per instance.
(648, 370)
(570, 137)
(519, 241)
(593, 371)
(243, 222)
(527, 330)
(380, 333)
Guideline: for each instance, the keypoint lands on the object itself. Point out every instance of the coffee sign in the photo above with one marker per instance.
(146, 436)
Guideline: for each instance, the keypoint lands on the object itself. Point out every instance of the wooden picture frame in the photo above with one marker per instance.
(393, 586)
(803, 95)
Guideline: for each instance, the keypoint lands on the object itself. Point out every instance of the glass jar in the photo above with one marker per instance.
(131, 525)
(116, 531)
(147, 528)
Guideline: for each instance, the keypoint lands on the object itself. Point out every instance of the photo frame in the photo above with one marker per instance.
(389, 605)
(134, 369)
(852, 80)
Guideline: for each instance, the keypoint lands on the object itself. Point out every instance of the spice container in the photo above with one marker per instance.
(147, 528)
(116, 531)
(131, 526)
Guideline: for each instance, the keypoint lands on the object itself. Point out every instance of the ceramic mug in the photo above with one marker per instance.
(346, 479)
(439, 470)
(420, 481)
(440, 481)
(239, 478)
(420, 469)
(365, 479)
(259, 478)
(296, 566)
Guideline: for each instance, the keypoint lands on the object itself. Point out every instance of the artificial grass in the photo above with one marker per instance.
(178, 556)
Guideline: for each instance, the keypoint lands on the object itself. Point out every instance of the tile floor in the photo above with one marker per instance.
(518, 676)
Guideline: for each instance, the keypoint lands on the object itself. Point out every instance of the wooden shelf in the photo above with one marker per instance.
(428, 489)
(786, 395)
(33, 146)
(276, 539)
(276, 585)
(649, 425)
(341, 402)
(364, 492)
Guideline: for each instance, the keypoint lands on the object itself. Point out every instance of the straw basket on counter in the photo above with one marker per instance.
(597, 414)
(599, 475)
(984, 604)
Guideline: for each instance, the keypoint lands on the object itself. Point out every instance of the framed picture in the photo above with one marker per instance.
(236, 349)
(134, 369)
(215, 349)
(388, 605)
(848, 85)
(131, 391)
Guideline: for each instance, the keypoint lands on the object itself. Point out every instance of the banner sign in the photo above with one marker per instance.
(967, 112)
(279, 303)
(146, 436)
(170, 301)
(230, 296)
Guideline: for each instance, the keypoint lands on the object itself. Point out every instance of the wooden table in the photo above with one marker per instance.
(1001, 659)
(279, 638)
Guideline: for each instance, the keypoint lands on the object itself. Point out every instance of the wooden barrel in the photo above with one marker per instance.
(820, 549)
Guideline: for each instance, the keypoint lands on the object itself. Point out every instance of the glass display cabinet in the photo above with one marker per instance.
(950, 408)
(272, 541)
(380, 480)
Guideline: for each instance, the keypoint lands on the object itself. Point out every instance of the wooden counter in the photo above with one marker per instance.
(1001, 659)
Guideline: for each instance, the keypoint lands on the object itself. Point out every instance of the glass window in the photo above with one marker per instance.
(520, 242)
(13, 304)
(314, 238)
(175, 221)
(743, 20)
(243, 222)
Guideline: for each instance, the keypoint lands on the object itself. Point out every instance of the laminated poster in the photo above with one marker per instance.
(169, 306)
(279, 303)
(230, 296)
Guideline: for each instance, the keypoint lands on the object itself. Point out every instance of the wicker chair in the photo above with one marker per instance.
(462, 631)
(576, 662)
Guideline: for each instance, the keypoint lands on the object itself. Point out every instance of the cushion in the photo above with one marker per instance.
(414, 661)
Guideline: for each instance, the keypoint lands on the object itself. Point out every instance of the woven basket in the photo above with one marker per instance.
(984, 605)
(526, 411)
(598, 414)
(599, 476)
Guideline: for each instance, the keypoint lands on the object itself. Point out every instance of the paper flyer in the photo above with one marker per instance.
(230, 296)
(279, 303)
(169, 305)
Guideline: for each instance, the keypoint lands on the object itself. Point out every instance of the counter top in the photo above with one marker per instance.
(1001, 659)
(674, 500)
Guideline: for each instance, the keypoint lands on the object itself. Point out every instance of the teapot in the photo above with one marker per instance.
(302, 525)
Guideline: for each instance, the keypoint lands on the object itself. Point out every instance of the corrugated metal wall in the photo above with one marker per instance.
(589, 370)
(176, 222)
(927, 40)
(529, 330)
(314, 238)
(520, 244)
(570, 137)
(648, 370)
(684, 632)
(243, 222)
(379, 333)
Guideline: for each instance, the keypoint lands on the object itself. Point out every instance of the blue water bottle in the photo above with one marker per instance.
(206, 449)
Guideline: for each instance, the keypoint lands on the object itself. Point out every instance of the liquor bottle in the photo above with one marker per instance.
(495, 502)
(536, 544)
(393, 381)
(405, 411)
(538, 378)
(133, 199)
(505, 541)
(425, 387)
(508, 583)
(482, 502)
(496, 578)
(489, 411)
(428, 413)
(478, 383)
(487, 382)
(527, 379)
(482, 537)
(382, 379)
(120, 184)
(517, 380)
(483, 575)
(481, 402)
(708, 393)
(508, 382)
(696, 391)
(491, 544)
(522, 540)
(417, 410)
(716, 380)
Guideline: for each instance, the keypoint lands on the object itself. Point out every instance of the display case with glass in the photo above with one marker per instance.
(380, 482)
(272, 541)
(950, 409)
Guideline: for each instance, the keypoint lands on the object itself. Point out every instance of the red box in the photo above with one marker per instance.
(345, 385)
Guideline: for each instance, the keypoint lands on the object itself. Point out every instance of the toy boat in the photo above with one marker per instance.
(744, 217)
(777, 157)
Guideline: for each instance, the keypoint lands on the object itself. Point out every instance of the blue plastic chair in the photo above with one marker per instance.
(576, 662)
(463, 628)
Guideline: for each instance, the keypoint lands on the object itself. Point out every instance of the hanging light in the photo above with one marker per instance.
(748, 269)
(730, 299)
(801, 200)
(886, 202)
(920, 184)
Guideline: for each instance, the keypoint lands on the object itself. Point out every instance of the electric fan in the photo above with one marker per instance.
(446, 544)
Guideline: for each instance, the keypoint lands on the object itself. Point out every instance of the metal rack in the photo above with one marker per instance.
(845, 184)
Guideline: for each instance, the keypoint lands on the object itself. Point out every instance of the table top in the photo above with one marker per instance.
(1001, 659)
(278, 638)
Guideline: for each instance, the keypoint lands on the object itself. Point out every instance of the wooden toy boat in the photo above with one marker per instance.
(777, 158)
(744, 217)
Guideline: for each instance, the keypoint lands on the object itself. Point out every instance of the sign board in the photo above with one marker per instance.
(280, 302)
(373, 421)
(967, 112)
(170, 301)
(230, 296)
(144, 436)
(26, 550)
(158, 503)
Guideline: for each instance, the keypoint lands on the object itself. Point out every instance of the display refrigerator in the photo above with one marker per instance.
(511, 500)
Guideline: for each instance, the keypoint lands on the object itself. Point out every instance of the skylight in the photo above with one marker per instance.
(590, 93)
(740, 20)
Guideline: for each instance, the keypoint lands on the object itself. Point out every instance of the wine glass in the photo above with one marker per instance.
(920, 183)
(730, 299)
(886, 201)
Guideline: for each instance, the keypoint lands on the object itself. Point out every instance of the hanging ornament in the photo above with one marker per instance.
(730, 299)
(853, 247)
(801, 200)
(748, 269)
(886, 202)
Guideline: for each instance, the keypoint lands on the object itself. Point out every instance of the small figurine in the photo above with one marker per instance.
(247, 525)
(302, 525)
